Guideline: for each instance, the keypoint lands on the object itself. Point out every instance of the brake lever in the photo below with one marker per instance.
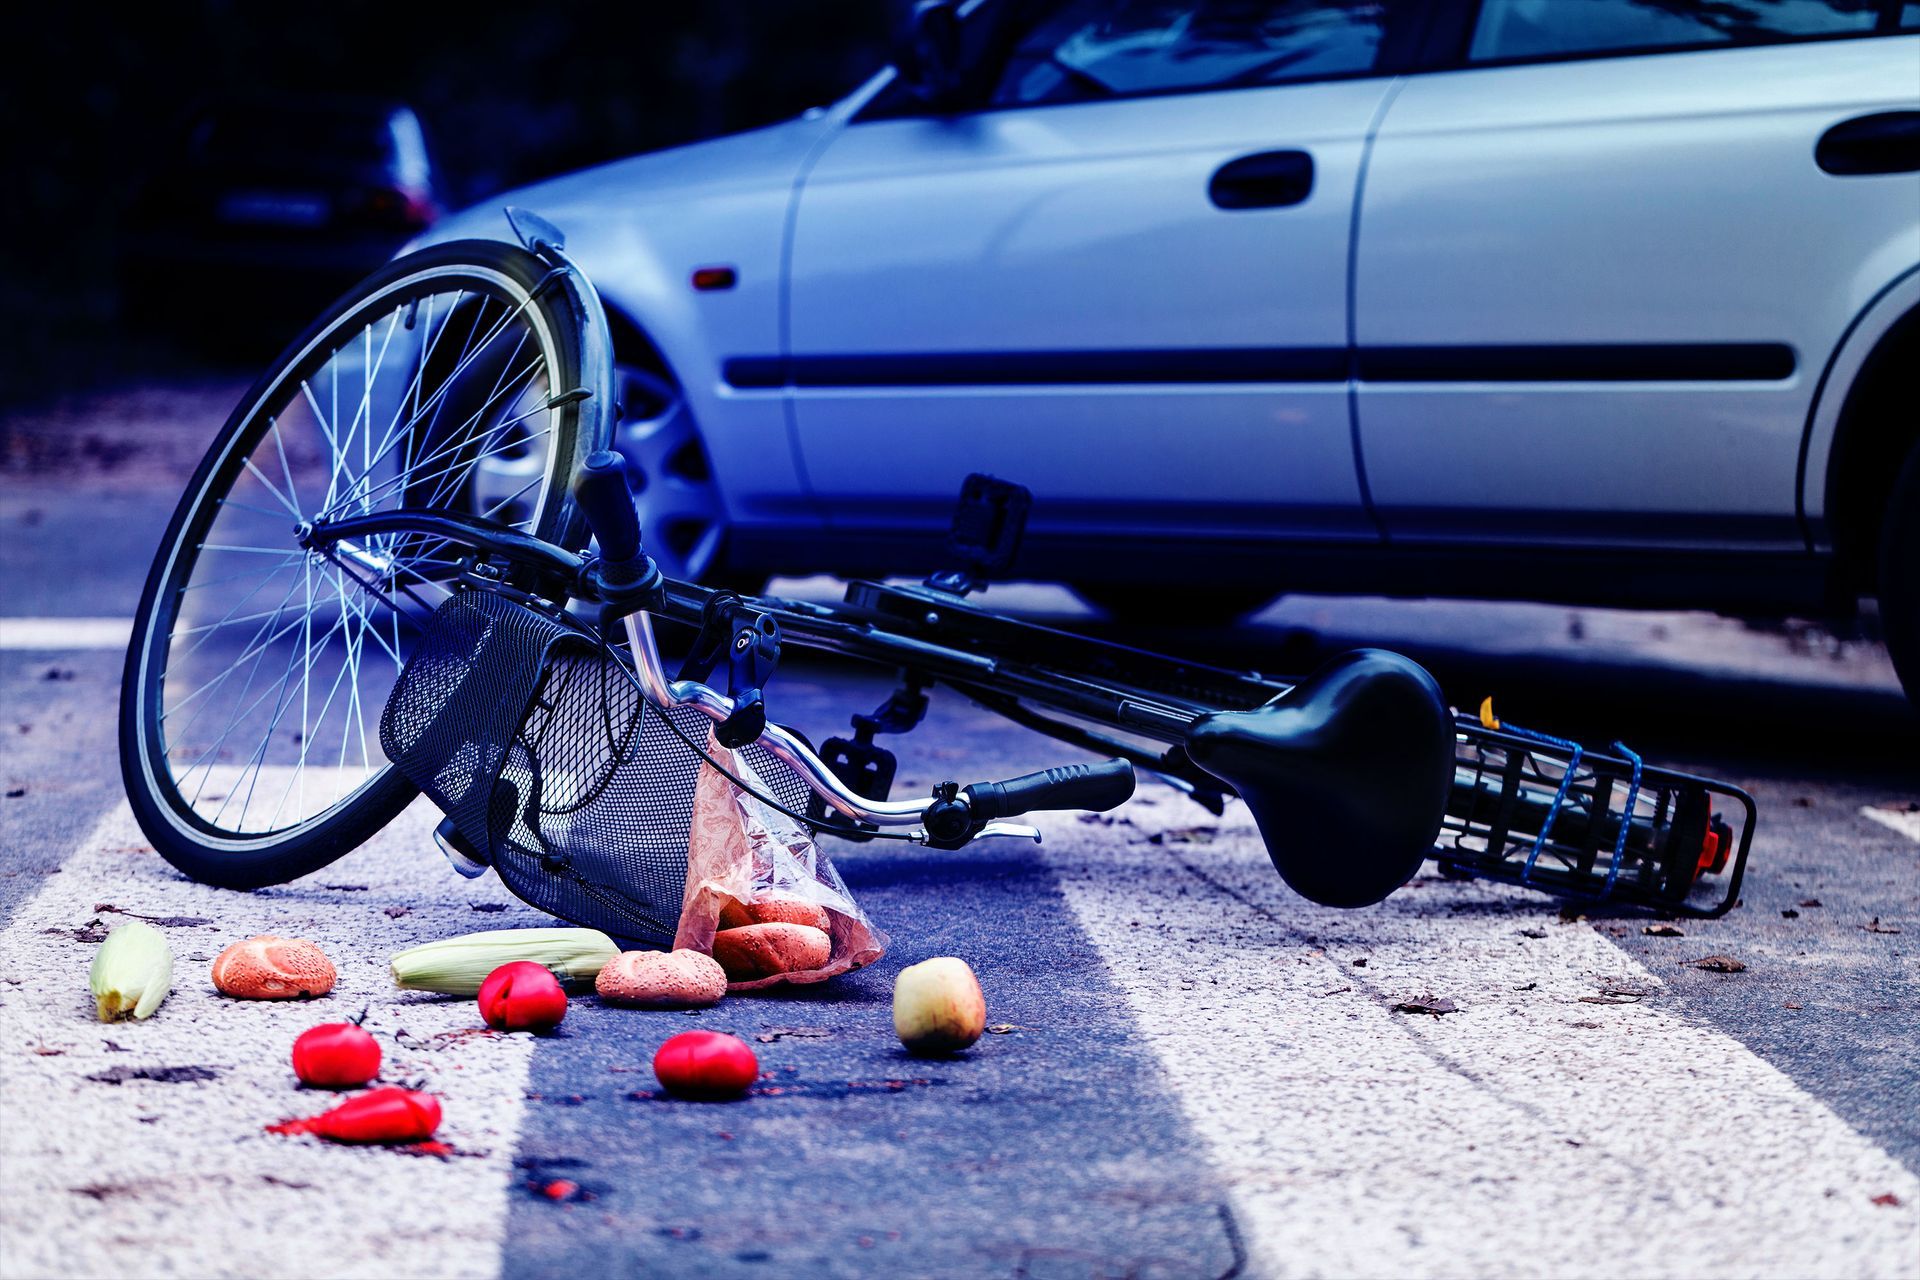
(754, 653)
(1012, 830)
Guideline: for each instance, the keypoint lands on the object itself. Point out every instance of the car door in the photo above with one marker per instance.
(1121, 282)
(1600, 268)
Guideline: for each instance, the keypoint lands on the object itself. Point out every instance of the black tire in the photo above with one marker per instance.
(570, 352)
(1177, 606)
(676, 496)
(1900, 575)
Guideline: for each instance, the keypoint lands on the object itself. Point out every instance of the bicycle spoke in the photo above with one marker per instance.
(512, 497)
(261, 580)
(249, 648)
(407, 406)
(279, 447)
(259, 511)
(406, 478)
(284, 499)
(438, 397)
(232, 720)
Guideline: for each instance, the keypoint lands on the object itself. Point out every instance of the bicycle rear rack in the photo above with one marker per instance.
(1543, 815)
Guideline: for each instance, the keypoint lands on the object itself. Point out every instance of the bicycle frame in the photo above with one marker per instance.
(1496, 821)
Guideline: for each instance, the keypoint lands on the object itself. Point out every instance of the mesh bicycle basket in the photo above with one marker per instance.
(535, 740)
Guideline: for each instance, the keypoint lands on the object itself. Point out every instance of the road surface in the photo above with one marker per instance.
(1194, 1073)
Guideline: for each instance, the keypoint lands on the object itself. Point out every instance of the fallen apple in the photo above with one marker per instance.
(938, 1007)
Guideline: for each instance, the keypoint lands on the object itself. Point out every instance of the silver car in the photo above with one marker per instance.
(1600, 300)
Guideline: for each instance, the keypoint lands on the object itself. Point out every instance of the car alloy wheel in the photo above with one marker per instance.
(682, 517)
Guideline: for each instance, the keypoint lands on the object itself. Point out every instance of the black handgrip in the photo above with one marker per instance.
(601, 490)
(1072, 786)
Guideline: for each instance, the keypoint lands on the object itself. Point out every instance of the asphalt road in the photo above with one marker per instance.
(1199, 1074)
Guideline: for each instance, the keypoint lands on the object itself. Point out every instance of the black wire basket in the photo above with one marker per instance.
(534, 738)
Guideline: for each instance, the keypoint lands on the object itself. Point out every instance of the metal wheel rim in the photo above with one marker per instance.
(682, 516)
(252, 453)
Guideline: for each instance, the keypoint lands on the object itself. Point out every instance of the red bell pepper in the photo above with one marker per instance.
(380, 1115)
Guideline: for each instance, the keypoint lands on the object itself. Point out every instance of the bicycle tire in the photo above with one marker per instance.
(569, 329)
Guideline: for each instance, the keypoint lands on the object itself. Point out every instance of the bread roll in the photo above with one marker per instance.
(773, 908)
(662, 980)
(764, 950)
(270, 967)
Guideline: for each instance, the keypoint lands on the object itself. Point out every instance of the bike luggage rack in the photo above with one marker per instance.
(1592, 826)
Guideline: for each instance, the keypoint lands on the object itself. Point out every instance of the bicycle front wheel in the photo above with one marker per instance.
(452, 379)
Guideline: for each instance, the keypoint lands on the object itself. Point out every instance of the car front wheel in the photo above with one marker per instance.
(683, 517)
(1900, 575)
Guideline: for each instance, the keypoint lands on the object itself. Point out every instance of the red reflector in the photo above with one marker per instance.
(708, 279)
(1711, 859)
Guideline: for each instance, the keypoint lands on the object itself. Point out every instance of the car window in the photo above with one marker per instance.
(1558, 28)
(1075, 50)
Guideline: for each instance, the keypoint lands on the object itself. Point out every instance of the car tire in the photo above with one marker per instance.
(683, 515)
(1176, 606)
(1900, 575)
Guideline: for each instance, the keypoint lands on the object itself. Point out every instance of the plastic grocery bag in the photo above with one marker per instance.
(743, 855)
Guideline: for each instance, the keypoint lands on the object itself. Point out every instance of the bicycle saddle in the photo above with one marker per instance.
(1347, 774)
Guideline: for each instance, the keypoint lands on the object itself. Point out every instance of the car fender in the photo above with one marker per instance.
(640, 228)
(1898, 296)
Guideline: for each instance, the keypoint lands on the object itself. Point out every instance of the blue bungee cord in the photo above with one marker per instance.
(1575, 751)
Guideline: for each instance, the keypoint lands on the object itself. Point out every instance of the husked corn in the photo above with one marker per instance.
(457, 966)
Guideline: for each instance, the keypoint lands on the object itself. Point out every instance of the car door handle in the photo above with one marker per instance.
(1264, 180)
(1885, 142)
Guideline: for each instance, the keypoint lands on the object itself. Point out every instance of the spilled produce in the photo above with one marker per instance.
(132, 973)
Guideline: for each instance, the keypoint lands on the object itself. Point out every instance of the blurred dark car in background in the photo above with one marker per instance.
(279, 202)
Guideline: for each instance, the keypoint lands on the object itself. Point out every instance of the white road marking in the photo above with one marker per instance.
(150, 1179)
(58, 634)
(1528, 1134)
(1905, 821)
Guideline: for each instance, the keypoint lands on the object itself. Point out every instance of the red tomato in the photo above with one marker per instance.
(706, 1064)
(522, 996)
(336, 1055)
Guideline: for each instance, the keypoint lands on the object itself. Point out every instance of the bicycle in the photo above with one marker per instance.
(425, 523)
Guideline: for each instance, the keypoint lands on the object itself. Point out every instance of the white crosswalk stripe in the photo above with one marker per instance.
(145, 1178)
(1905, 821)
(62, 634)
(1560, 1123)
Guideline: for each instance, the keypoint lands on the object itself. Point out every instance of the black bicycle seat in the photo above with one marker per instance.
(1347, 774)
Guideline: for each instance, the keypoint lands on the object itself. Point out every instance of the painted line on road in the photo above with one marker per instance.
(54, 634)
(1560, 1123)
(144, 1178)
(1905, 821)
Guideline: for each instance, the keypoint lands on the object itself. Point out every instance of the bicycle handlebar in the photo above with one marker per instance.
(601, 490)
(1073, 786)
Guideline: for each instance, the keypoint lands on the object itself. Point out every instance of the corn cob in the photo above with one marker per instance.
(132, 972)
(457, 966)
